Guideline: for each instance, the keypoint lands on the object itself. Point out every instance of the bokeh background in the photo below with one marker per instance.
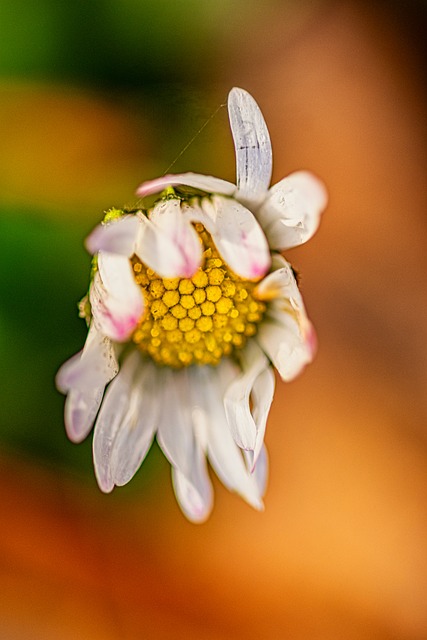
(97, 95)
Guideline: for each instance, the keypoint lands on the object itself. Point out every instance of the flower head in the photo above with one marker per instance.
(190, 305)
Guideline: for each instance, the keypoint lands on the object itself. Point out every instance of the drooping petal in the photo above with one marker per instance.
(84, 378)
(262, 397)
(237, 236)
(291, 212)
(175, 433)
(208, 184)
(223, 453)
(169, 244)
(247, 427)
(260, 470)
(134, 439)
(252, 146)
(116, 300)
(194, 494)
(178, 440)
(117, 236)
(119, 410)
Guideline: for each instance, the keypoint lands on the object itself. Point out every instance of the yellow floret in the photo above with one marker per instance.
(198, 320)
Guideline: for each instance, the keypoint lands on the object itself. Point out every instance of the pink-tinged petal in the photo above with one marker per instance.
(208, 184)
(170, 244)
(237, 236)
(116, 300)
(291, 212)
(119, 410)
(208, 386)
(134, 439)
(287, 335)
(84, 378)
(194, 494)
(248, 400)
(117, 236)
(252, 146)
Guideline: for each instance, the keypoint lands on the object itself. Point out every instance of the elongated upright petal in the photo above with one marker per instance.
(252, 146)
(117, 236)
(290, 214)
(169, 244)
(116, 300)
(237, 236)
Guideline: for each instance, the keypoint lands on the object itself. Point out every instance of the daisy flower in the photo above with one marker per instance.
(190, 306)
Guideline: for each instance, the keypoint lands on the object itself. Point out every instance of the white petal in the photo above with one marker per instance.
(169, 243)
(116, 300)
(243, 426)
(118, 410)
(252, 146)
(117, 236)
(84, 378)
(209, 184)
(194, 494)
(134, 439)
(224, 455)
(93, 367)
(80, 411)
(287, 345)
(260, 472)
(280, 284)
(262, 397)
(175, 433)
(237, 236)
(290, 214)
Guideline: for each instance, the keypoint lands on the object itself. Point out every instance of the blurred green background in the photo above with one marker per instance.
(97, 96)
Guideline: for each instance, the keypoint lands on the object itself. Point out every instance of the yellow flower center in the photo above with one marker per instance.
(197, 320)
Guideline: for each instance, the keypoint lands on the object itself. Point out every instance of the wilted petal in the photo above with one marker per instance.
(208, 184)
(252, 145)
(237, 236)
(247, 427)
(117, 236)
(169, 244)
(119, 410)
(290, 214)
(134, 439)
(116, 300)
(223, 453)
(194, 494)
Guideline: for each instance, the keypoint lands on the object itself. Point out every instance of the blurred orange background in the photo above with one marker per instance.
(93, 100)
